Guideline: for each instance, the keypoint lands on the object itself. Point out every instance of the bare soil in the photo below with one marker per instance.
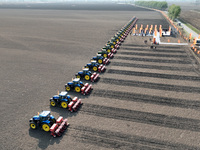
(150, 101)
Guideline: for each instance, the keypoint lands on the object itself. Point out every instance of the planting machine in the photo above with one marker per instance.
(105, 54)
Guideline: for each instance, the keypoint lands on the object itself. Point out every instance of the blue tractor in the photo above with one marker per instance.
(43, 119)
(93, 65)
(87, 75)
(76, 85)
(100, 59)
(62, 99)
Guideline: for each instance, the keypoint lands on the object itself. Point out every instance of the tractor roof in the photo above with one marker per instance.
(86, 69)
(99, 55)
(76, 80)
(44, 113)
(63, 93)
(93, 61)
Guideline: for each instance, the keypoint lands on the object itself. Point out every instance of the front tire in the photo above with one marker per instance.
(104, 55)
(67, 88)
(33, 125)
(53, 103)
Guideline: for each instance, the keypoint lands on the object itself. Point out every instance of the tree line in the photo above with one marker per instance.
(153, 4)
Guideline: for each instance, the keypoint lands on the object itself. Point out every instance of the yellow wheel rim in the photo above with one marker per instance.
(87, 67)
(67, 88)
(100, 61)
(77, 89)
(104, 55)
(64, 105)
(108, 50)
(32, 125)
(53, 103)
(114, 43)
(45, 127)
(87, 77)
(78, 76)
(117, 40)
(95, 68)
(112, 46)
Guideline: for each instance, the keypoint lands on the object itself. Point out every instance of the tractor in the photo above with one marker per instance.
(65, 101)
(87, 75)
(43, 119)
(95, 66)
(105, 54)
(78, 86)
(62, 99)
(49, 123)
(109, 49)
(100, 59)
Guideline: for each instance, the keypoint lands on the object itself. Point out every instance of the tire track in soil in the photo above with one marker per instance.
(142, 117)
(150, 85)
(172, 102)
(154, 55)
(152, 50)
(153, 60)
(152, 66)
(154, 75)
(110, 139)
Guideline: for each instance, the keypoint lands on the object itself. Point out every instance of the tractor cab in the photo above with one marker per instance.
(45, 116)
(93, 62)
(63, 95)
(99, 56)
(86, 70)
(76, 81)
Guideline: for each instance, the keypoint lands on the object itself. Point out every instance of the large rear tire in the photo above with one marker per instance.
(94, 68)
(87, 77)
(77, 89)
(100, 61)
(46, 127)
(64, 104)
(105, 55)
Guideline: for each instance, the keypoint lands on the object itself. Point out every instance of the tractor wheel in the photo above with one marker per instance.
(33, 125)
(53, 103)
(94, 68)
(114, 42)
(112, 46)
(46, 127)
(78, 76)
(100, 61)
(86, 67)
(108, 50)
(69, 99)
(117, 40)
(77, 89)
(87, 77)
(104, 55)
(64, 104)
(67, 88)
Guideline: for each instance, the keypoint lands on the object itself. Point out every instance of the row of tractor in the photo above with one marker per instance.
(90, 72)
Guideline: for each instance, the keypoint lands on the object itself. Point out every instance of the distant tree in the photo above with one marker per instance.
(174, 11)
(153, 4)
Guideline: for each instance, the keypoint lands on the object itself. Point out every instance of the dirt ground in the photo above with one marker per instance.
(147, 98)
